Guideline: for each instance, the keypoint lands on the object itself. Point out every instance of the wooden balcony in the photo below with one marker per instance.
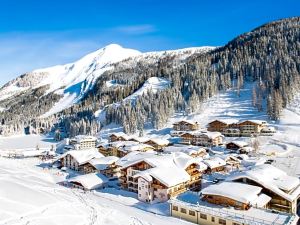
(157, 186)
(178, 192)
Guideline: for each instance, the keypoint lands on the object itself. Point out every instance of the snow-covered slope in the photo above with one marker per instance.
(153, 84)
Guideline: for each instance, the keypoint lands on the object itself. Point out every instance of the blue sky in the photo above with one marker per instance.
(36, 34)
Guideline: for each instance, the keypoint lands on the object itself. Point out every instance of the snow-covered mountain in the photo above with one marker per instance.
(160, 83)
(72, 81)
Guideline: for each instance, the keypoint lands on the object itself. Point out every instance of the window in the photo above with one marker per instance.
(140, 195)
(175, 208)
(139, 188)
(182, 210)
(192, 213)
(235, 223)
(221, 221)
(212, 219)
(203, 216)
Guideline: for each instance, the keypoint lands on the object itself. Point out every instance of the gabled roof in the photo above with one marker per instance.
(208, 134)
(129, 146)
(169, 169)
(240, 144)
(159, 141)
(226, 121)
(81, 138)
(104, 162)
(121, 134)
(187, 149)
(259, 122)
(214, 162)
(240, 192)
(272, 179)
(83, 156)
(90, 181)
(186, 121)
(166, 175)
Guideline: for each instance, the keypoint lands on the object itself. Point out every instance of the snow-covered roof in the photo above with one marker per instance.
(83, 156)
(248, 149)
(104, 162)
(186, 121)
(260, 122)
(240, 144)
(214, 162)
(188, 149)
(129, 146)
(169, 169)
(269, 129)
(138, 139)
(164, 175)
(190, 200)
(227, 121)
(210, 135)
(90, 181)
(240, 192)
(272, 179)
(81, 138)
(247, 162)
(159, 141)
(121, 134)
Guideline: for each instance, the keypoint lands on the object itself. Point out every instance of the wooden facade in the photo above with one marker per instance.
(277, 202)
(225, 201)
(115, 137)
(185, 126)
(110, 171)
(219, 126)
(201, 139)
(157, 146)
(157, 189)
(248, 127)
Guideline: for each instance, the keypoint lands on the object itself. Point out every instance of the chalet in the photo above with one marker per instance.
(122, 148)
(232, 161)
(185, 125)
(283, 189)
(157, 143)
(150, 175)
(251, 127)
(231, 132)
(247, 201)
(118, 137)
(82, 142)
(89, 181)
(202, 138)
(191, 150)
(75, 159)
(221, 125)
(215, 164)
(267, 131)
(239, 195)
(236, 145)
(103, 149)
(138, 139)
(104, 165)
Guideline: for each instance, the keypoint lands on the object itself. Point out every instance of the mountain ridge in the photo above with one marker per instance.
(269, 53)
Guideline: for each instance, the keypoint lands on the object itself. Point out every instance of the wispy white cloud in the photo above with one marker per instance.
(137, 29)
